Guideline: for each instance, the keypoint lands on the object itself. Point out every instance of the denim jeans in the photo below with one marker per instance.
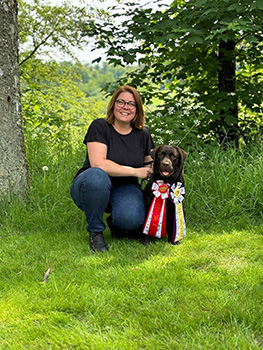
(91, 191)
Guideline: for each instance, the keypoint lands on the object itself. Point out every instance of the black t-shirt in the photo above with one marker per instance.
(128, 150)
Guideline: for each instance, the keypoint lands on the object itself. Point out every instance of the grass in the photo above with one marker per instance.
(203, 294)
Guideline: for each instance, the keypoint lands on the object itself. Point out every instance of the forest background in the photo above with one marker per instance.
(209, 290)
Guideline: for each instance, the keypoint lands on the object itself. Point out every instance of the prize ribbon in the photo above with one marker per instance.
(177, 194)
(155, 224)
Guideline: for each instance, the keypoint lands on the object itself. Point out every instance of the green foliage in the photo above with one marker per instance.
(180, 121)
(192, 44)
(60, 99)
(54, 107)
(95, 77)
(46, 29)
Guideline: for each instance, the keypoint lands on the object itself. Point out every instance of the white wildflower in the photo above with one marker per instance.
(174, 142)
(171, 110)
(45, 168)
(202, 155)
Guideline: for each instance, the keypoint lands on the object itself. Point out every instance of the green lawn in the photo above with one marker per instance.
(206, 293)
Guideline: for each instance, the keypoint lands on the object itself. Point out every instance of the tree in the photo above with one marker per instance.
(14, 174)
(211, 47)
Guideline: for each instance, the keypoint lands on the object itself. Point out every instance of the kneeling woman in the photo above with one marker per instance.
(118, 153)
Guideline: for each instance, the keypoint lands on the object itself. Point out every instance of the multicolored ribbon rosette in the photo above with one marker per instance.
(177, 194)
(155, 224)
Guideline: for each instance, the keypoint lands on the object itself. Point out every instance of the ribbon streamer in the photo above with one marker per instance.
(155, 224)
(177, 194)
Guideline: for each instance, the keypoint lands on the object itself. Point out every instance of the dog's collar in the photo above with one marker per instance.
(148, 163)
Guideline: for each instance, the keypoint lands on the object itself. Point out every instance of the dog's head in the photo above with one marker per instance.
(168, 163)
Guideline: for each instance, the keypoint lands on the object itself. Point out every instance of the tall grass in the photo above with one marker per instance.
(225, 187)
(48, 204)
(203, 294)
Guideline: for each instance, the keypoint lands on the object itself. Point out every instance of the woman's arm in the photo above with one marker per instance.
(97, 153)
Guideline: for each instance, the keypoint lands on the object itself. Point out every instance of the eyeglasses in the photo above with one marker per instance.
(122, 103)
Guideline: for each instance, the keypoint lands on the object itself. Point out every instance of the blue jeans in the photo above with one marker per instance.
(91, 191)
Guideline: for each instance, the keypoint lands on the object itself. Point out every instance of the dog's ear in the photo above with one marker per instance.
(182, 152)
(153, 152)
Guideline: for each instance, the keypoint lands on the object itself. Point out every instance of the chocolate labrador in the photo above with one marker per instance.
(167, 166)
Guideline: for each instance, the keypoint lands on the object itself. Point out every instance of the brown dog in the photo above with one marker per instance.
(167, 166)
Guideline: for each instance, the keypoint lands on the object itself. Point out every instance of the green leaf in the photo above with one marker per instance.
(97, 60)
(225, 37)
(236, 7)
(230, 120)
(200, 3)
(252, 39)
(195, 40)
(258, 4)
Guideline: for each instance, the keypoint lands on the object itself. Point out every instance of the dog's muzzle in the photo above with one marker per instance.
(166, 168)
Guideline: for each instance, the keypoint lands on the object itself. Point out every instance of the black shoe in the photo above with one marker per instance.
(119, 234)
(97, 243)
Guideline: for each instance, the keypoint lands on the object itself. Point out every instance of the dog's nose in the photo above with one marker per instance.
(166, 163)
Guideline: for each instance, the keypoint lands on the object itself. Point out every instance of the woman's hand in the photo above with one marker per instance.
(143, 173)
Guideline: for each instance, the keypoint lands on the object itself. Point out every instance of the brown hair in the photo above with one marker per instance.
(139, 119)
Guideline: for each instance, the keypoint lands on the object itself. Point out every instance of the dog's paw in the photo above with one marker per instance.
(149, 239)
(175, 243)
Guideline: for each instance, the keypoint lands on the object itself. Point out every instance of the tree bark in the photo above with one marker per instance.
(228, 131)
(14, 174)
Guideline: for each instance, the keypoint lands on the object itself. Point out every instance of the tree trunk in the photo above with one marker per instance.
(228, 130)
(14, 175)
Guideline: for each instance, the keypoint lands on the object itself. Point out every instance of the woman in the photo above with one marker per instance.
(118, 153)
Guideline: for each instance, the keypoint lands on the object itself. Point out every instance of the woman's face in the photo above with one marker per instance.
(125, 107)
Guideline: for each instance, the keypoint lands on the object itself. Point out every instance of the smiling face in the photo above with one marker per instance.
(124, 113)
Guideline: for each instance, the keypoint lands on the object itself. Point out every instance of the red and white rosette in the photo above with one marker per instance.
(155, 224)
(177, 194)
